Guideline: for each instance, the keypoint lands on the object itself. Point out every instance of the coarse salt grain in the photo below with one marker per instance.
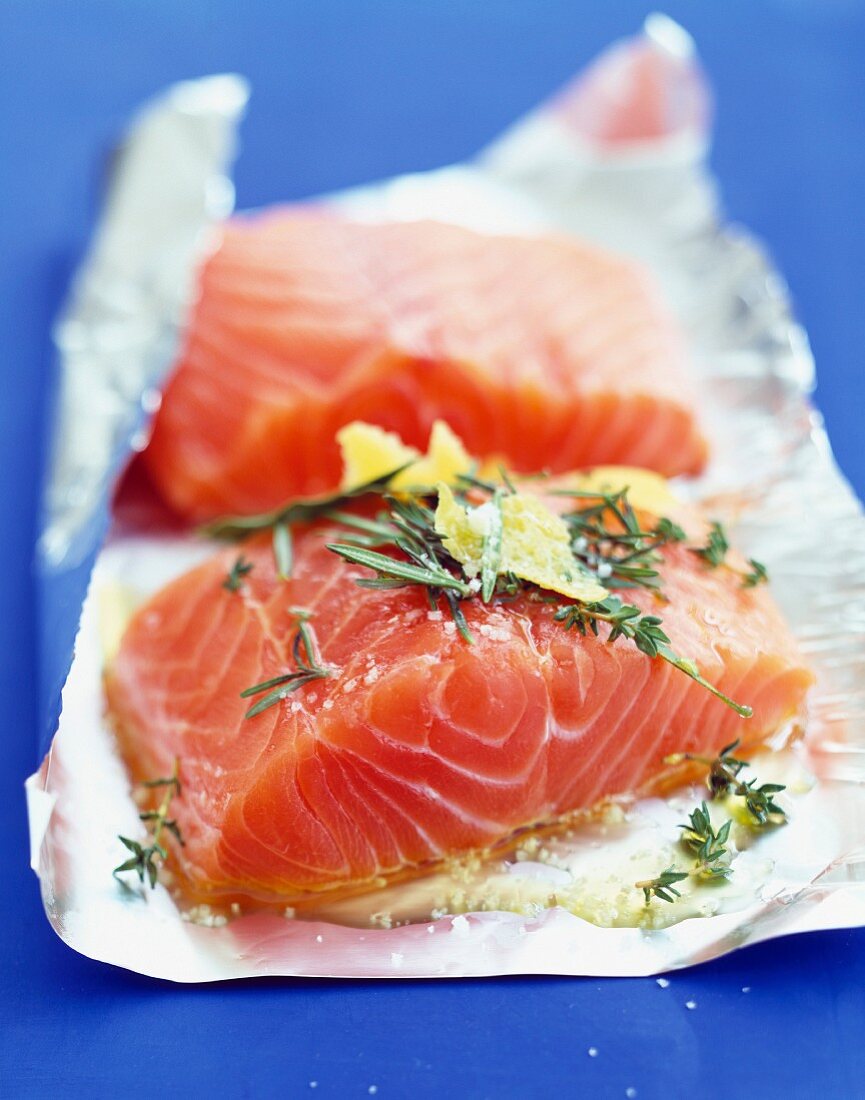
(690, 1004)
(319, 939)
(593, 1052)
(663, 982)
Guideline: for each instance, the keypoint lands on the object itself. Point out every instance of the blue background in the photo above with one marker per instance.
(344, 91)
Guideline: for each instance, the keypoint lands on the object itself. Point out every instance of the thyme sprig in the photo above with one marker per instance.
(724, 779)
(146, 859)
(709, 846)
(663, 886)
(646, 634)
(714, 554)
(238, 571)
(308, 668)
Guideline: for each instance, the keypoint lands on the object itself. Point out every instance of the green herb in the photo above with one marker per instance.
(146, 859)
(409, 528)
(282, 550)
(757, 575)
(491, 553)
(662, 887)
(238, 571)
(723, 779)
(392, 573)
(709, 846)
(715, 550)
(644, 631)
(308, 668)
(714, 553)
(304, 510)
(620, 554)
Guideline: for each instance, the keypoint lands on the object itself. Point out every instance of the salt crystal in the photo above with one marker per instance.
(461, 925)
(396, 958)
(746, 989)
(349, 685)
(630, 1093)
(431, 928)
(327, 704)
(690, 1004)
(288, 912)
(450, 627)
(313, 1084)
(434, 616)
(663, 982)
(319, 939)
(593, 1052)
(372, 1090)
(372, 676)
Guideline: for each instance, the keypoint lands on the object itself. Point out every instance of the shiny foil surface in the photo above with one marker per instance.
(561, 905)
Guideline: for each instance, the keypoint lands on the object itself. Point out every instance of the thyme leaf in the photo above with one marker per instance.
(717, 545)
(757, 575)
(663, 886)
(238, 571)
(723, 779)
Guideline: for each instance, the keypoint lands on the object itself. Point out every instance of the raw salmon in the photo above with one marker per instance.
(417, 746)
(548, 352)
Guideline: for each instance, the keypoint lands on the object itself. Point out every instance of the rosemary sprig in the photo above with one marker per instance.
(146, 859)
(308, 669)
(392, 573)
(408, 527)
(644, 631)
(304, 510)
(238, 571)
(662, 887)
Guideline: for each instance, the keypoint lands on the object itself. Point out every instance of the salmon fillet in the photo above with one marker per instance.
(417, 746)
(548, 352)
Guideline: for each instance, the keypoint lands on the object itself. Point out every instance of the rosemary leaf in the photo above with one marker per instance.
(491, 553)
(282, 549)
(390, 568)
